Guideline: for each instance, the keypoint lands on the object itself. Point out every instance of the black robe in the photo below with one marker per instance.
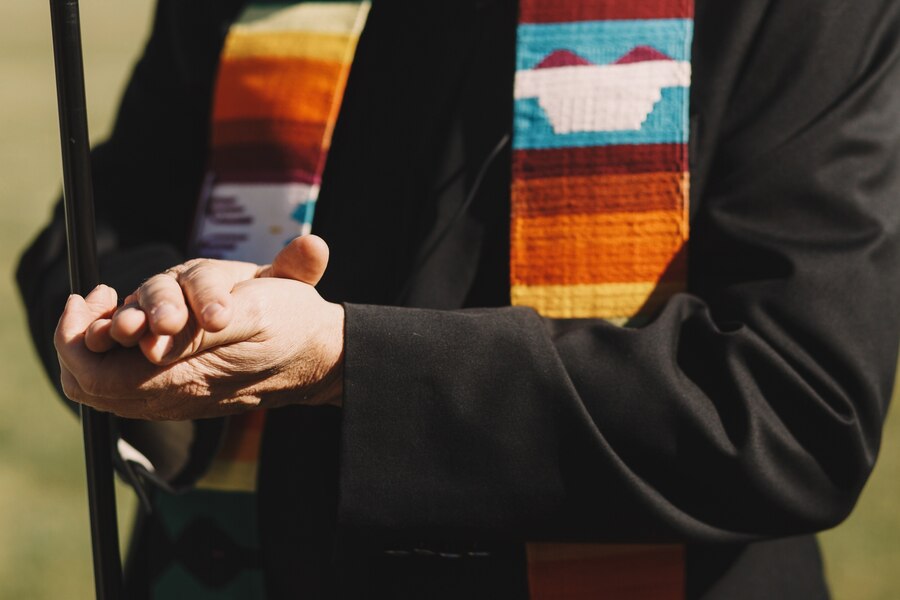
(745, 417)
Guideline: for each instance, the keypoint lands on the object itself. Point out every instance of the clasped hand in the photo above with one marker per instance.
(207, 338)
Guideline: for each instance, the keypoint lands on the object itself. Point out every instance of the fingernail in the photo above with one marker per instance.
(162, 311)
(211, 311)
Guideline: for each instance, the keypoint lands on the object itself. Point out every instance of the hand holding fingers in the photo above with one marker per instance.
(199, 288)
(285, 347)
(199, 291)
(166, 304)
(210, 286)
(168, 349)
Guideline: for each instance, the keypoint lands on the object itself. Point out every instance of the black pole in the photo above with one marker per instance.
(83, 277)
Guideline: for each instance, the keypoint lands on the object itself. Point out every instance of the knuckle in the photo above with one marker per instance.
(196, 269)
(194, 264)
(157, 280)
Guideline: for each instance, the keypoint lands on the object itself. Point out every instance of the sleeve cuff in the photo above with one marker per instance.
(440, 436)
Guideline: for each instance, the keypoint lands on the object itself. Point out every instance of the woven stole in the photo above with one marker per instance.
(281, 80)
(600, 212)
(282, 74)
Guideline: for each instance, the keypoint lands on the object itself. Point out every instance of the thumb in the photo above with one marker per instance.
(303, 259)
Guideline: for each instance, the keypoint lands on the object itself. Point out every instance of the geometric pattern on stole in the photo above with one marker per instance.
(282, 74)
(599, 220)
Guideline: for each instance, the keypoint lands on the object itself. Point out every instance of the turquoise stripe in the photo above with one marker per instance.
(665, 125)
(304, 212)
(603, 42)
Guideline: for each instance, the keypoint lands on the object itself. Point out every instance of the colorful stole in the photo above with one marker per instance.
(282, 74)
(598, 227)
(600, 212)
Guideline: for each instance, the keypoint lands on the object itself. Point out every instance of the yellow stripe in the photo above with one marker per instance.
(322, 17)
(593, 301)
(332, 47)
(229, 476)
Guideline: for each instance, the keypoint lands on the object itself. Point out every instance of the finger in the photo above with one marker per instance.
(165, 350)
(97, 337)
(129, 323)
(303, 259)
(78, 314)
(102, 301)
(160, 349)
(162, 299)
(207, 286)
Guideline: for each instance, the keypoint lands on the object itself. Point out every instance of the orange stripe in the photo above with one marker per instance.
(292, 89)
(632, 192)
(598, 248)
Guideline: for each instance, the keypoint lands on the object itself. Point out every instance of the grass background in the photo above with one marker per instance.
(44, 545)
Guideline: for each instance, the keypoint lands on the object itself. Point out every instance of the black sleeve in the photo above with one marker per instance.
(751, 406)
(146, 176)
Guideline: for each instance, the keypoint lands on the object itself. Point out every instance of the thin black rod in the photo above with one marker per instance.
(83, 277)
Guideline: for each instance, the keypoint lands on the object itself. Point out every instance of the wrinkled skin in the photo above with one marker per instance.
(207, 338)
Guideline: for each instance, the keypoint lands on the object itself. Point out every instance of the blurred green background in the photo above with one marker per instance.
(44, 545)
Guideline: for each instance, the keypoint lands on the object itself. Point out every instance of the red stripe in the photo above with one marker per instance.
(569, 11)
(247, 161)
(656, 576)
(599, 160)
(632, 192)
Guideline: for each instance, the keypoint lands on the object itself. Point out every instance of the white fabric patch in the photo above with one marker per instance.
(252, 222)
(588, 98)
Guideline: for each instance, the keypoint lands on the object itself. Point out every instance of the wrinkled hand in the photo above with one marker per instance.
(167, 313)
(268, 341)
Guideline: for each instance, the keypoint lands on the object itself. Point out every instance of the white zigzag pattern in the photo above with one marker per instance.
(592, 98)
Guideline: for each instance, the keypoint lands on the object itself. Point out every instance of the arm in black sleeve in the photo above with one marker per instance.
(751, 406)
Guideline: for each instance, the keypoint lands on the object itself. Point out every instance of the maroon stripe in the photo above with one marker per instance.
(260, 176)
(568, 11)
(599, 160)
(262, 163)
